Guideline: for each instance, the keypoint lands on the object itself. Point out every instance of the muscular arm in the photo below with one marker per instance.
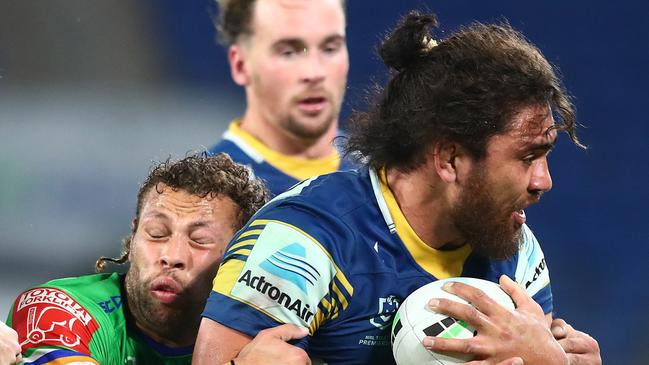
(217, 344)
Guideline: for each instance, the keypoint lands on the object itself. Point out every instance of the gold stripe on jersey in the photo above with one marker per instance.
(298, 168)
(341, 296)
(440, 264)
(249, 232)
(243, 243)
(318, 320)
(227, 276)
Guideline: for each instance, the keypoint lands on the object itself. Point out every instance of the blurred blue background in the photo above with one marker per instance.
(91, 92)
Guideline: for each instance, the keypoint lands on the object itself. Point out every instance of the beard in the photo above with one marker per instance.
(312, 129)
(484, 222)
(175, 321)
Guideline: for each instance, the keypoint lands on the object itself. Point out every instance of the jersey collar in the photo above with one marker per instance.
(298, 168)
(440, 264)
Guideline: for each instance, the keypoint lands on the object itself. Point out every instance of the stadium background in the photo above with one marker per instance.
(91, 92)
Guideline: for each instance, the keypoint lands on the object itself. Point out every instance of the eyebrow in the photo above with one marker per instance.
(540, 146)
(200, 224)
(334, 38)
(299, 42)
(156, 214)
(543, 146)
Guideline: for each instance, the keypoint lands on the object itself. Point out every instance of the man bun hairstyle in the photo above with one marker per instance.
(409, 42)
(463, 89)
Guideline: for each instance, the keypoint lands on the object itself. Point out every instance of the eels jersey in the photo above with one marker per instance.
(335, 254)
(81, 321)
(278, 171)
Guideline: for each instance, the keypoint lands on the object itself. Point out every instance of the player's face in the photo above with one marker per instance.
(295, 65)
(175, 252)
(513, 175)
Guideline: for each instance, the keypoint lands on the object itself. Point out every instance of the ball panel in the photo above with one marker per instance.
(417, 320)
(411, 351)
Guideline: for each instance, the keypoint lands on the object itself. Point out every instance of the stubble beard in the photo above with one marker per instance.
(173, 323)
(485, 223)
(309, 128)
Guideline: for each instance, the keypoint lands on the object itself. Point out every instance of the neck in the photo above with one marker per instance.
(282, 141)
(423, 199)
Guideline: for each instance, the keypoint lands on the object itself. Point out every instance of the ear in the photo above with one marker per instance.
(134, 225)
(444, 157)
(238, 65)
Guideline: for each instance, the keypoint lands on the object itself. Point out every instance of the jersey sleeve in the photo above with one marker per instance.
(52, 327)
(280, 269)
(532, 271)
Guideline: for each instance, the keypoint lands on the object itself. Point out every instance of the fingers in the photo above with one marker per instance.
(469, 346)
(270, 347)
(580, 347)
(9, 347)
(475, 296)
(512, 361)
(515, 291)
(559, 328)
(465, 312)
(579, 343)
(286, 332)
(521, 298)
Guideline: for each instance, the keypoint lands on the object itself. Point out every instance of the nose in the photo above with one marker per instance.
(312, 67)
(175, 254)
(541, 181)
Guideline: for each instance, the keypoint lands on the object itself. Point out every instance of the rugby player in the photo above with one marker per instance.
(186, 213)
(291, 58)
(456, 148)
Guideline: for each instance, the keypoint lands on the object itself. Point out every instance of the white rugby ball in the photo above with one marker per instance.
(415, 320)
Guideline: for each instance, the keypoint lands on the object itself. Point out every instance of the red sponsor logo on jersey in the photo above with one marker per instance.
(48, 316)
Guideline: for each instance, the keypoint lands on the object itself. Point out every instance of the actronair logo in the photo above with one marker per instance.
(287, 275)
(260, 284)
(290, 264)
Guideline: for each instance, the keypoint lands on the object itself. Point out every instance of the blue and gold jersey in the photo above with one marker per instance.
(278, 171)
(335, 254)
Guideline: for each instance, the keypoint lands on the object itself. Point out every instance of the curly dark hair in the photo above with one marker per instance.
(464, 89)
(201, 175)
(234, 18)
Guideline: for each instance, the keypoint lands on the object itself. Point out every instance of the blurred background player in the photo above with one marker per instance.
(9, 346)
(456, 149)
(186, 213)
(291, 58)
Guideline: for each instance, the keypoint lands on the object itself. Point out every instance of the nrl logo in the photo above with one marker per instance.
(387, 307)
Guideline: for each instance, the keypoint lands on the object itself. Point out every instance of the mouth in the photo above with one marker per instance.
(166, 290)
(312, 105)
(519, 217)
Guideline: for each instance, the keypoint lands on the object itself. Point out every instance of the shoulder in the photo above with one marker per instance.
(65, 312)
(232, 149)
(532, 270)
(337, 193)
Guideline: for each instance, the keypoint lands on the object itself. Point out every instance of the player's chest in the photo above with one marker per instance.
(361, 333)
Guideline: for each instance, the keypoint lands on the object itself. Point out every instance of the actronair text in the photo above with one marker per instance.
(260, 284)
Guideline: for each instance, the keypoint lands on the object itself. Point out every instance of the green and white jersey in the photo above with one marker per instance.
(82, 321)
